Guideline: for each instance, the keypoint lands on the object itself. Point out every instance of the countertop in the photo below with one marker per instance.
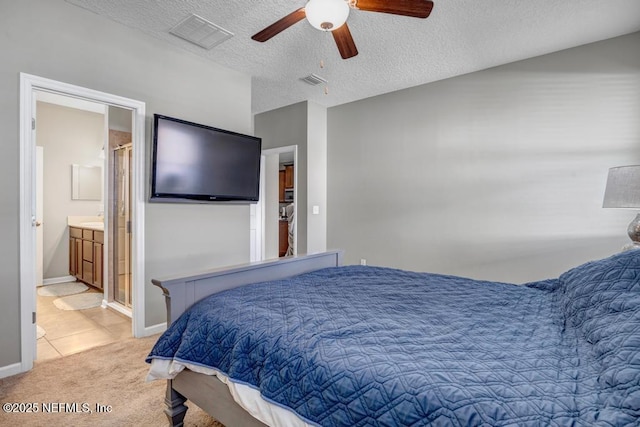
(88, 222)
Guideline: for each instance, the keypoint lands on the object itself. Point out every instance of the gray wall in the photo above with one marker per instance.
(497, 174)
(316, 177)
(271, 202)
(53, 39)
(69, 136)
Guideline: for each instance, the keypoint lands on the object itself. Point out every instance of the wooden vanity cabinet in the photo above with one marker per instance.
(86, 255)
(75, 252)
(87, 261)
(98, 242)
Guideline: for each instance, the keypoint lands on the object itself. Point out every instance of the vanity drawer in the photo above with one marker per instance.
(75, 232)
(87, 234)
(98, 236)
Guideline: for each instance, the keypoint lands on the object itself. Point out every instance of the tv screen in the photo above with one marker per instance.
(193, 162)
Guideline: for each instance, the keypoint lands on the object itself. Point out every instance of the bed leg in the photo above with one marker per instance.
(176, 409)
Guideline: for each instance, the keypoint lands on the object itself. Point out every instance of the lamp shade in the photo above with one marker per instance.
(623, 188)
(327, 15)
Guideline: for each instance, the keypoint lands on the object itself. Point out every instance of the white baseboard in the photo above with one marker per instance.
(55, 280)
(155, 329)
(9, 370)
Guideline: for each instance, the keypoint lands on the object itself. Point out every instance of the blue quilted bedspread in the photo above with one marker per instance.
(356, 346)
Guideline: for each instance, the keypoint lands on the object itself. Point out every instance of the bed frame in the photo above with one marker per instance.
(180, 292)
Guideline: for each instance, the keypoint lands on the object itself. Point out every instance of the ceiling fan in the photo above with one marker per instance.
(331, 15)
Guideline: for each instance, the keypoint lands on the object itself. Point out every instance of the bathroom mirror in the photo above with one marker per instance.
(86, 182)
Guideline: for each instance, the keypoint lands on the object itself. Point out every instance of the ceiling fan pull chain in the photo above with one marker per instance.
(326, 88)
(322, 65)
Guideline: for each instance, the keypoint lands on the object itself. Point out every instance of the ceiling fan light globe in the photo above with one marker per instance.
(327, 15)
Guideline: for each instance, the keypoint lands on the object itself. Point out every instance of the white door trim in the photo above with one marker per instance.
(28, 84)
(256, 222)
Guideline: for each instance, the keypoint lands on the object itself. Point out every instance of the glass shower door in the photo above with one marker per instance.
(122, 229)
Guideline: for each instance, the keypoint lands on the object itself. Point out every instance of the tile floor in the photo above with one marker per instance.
(69, 332)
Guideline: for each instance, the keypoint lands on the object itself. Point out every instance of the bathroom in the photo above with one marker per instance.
(83, 267)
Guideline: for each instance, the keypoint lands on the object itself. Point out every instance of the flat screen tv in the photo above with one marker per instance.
(193, 162)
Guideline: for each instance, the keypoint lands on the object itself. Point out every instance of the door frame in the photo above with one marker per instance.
(28, 84)
(39, 213)
(256, 220)
(261, 217)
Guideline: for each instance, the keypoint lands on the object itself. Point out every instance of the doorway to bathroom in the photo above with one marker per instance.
(103, 254)
(70, 229)
(77, 292)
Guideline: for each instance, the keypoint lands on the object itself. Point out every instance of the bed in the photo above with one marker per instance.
(305, 341)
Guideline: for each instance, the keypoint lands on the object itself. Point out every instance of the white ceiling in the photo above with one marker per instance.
(395, 52)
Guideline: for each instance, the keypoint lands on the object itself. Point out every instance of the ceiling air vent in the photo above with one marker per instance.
(201, 32)
(314, 80)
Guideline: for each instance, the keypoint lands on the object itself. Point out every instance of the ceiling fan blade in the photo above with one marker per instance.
(344, 41)
(279, 25)
(414, 8)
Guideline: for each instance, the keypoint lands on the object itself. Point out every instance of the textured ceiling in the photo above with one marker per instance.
(395, 52)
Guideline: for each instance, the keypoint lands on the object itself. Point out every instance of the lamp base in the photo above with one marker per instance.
(631, 246)
(634, 234)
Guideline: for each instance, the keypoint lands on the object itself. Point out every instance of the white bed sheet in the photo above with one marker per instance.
(246, 396)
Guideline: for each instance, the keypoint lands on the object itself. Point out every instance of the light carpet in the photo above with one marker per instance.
(79, 301)
(62, 289)
(110, 375)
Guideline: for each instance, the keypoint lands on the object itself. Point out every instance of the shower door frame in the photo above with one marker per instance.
(126, 189)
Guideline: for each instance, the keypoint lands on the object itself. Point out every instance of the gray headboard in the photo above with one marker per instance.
(183, 291)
